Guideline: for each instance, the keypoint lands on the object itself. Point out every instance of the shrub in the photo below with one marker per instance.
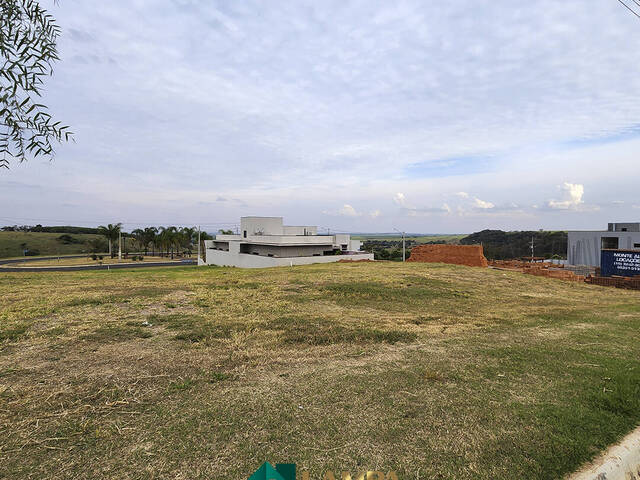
(94, 257)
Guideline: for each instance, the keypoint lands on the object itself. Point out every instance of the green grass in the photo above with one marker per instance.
(433, 371)
(46, 243)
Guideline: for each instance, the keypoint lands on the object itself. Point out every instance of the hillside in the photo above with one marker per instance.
(12, 244)
(500, 245)
(434, 371)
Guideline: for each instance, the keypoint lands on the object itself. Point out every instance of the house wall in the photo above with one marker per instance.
(355, 245)
(340, 240)
(285, 251)
(261, 226)
(299, 230)
(583, 248)
(628, 227)
(241, 260)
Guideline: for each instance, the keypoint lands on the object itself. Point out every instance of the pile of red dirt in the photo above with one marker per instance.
(469, 255)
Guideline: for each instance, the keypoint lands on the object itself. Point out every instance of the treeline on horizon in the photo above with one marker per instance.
(501, 245)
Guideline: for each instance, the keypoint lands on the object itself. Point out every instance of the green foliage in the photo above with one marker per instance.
(68, 239)
(499, 245)
(111, 232)
(28, 36)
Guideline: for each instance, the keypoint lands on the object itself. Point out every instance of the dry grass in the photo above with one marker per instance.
(433, 371)
(106, 260)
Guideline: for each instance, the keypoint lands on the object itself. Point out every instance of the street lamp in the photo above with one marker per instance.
(403, 248)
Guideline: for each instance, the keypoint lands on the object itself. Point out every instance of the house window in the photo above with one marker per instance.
(636, 245)
(624, 229)
(244, 234)
(609, 243)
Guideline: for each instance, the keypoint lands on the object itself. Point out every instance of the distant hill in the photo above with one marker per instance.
(500, 245)
(13, 244)
(52, 229)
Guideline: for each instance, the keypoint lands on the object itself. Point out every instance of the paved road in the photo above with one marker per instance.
(37, 259)
(183, 263)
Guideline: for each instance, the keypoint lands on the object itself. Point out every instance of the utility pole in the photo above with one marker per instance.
(119, 245)
(198, 244)
(532, 249)
(403, 245)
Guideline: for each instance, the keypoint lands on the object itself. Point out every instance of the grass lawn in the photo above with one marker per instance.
(106, 260)
(432, 371)
(45, 243)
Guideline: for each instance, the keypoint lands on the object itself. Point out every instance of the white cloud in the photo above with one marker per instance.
(462, 194)
(348, 211)
(399, 199)
(375, 213)
(482, 204)
(573, 197)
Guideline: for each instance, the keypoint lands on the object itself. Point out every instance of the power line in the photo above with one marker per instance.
(629, 8)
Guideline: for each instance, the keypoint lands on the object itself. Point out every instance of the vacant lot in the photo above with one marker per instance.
(12, 243)
(434, 371)
(106, 260)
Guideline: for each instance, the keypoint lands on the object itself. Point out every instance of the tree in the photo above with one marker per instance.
(225, 232)
(189, 237)
(111, 232)
(28, 36)
(166, 238)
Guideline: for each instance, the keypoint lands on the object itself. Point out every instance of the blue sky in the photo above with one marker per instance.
(362, 116)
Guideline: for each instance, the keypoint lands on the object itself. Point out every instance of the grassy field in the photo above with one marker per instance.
(429, 370)
(106, 260)
(45, 243)
(420, 239)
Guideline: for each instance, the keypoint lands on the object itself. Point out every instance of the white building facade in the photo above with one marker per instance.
(267, 242)
(584, 247)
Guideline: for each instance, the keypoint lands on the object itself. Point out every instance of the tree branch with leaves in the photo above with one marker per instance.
(28, 50)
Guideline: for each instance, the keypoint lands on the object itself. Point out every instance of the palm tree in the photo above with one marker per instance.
(167, 238)
(150, 237)
(138, 235)
(111, 232)
(189, 236)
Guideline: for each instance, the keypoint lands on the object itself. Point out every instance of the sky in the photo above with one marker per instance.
(362, 116)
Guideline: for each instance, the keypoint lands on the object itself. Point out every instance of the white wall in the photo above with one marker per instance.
(300, 230)
(261, 226)
(227, 259)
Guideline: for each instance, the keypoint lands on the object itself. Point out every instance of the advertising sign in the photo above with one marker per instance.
(625, 263)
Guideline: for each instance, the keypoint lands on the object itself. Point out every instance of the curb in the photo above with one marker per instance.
(619, 462)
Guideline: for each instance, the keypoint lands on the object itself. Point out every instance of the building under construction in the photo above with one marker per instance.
(585, 247)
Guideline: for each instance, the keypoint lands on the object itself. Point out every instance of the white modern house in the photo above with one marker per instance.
(584, 247)
(267, 242)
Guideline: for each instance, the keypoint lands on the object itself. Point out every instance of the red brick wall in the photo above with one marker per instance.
(470, 255)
